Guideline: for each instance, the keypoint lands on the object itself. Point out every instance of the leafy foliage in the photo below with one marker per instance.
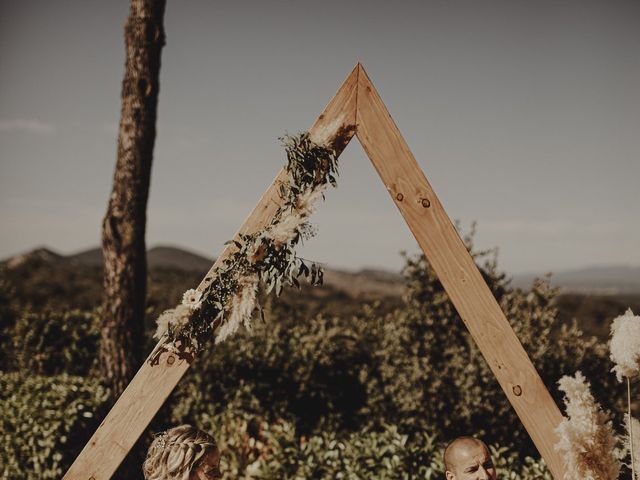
(8, 316)
(309, 166)
(53, 343)
(416, 368)
(386, 454)
(54, 285)
(45, 422)
(255, 448)
(368, 392)
(432, 375)
(267, 255)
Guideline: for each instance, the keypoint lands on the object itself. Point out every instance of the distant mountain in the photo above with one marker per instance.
(370, 281)
(90, 258)
(157, 257)
(380, 282)
(591, 280)
(381, 275)
(173, 257)
(602, 280)
(39, 255)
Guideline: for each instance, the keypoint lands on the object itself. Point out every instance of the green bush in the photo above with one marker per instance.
(385, 454)
(45, 422)
(254, 448)
(304, 369)
(52, 343)
(8, 318)
(297, 387)
(416, 368)
(54, 285)
(428, 373)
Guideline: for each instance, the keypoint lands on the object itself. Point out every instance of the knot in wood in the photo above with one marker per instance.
(425, 203)
(400, 197)
(171, 359)
(517, 390)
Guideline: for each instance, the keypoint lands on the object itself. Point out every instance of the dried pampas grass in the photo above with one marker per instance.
(176, 318)
(285, 230)
(625, 345)
(290, 222)
(242, 306)
(587, 439)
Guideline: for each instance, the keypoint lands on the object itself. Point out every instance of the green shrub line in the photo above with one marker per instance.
(45, 420)
(371, 392)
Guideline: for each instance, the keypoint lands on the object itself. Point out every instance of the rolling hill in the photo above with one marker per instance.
(602, 280)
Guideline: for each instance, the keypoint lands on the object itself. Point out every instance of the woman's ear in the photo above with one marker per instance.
(449, 475)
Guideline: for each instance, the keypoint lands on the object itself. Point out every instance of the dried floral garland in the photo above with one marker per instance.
(267, 256)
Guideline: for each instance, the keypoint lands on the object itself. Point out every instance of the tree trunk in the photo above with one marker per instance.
(123, 227)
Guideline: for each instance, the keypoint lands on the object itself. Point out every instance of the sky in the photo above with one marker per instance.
(525, 117)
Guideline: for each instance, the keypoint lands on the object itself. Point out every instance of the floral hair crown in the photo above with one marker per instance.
(162, 440)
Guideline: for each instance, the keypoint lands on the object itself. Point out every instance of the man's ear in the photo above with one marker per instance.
(449, 475)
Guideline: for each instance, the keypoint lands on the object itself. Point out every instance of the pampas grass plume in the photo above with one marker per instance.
(242, 306)
(587, 439)
(625, 345)
(177, 318)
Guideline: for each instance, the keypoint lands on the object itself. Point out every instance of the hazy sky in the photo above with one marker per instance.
(524, 115)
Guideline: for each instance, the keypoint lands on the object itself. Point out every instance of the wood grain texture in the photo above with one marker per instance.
(446, 252)
(152, 384)
(358, 102)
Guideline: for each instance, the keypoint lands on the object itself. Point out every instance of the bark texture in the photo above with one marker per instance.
(124, 225)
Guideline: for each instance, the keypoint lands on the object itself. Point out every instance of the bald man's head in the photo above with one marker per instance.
(467, 458)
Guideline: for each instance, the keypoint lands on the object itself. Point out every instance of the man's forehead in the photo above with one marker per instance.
(471, 452)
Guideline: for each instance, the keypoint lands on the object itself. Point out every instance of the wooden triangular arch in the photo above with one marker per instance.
(357, 109)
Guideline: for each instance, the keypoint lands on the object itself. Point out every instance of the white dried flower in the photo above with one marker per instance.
(285, 229)
(306, 201)
(176, 318)
(625, 345)
(587, 439)
(292, 220)
(162, 323)
(192, 298)
(635, 434)
(242, 306)
(226, 330)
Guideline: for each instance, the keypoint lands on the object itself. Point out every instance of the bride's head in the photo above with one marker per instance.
(182, 453)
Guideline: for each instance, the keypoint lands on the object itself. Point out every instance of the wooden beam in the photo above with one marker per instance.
(151, 386)
(358, 102)
(446, 252)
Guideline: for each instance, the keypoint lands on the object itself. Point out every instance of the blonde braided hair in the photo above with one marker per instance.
(173, 454)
